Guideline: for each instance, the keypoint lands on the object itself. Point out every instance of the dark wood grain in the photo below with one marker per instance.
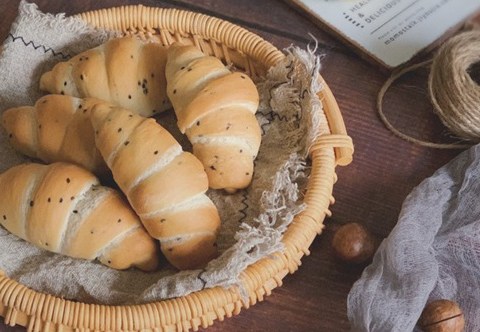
(370, 190)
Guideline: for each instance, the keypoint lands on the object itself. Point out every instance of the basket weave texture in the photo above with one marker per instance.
(249, 52)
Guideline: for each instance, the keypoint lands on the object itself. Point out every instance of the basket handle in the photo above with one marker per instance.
(338, 139)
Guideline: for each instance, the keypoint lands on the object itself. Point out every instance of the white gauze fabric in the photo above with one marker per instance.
(253, 220)
(432, 253)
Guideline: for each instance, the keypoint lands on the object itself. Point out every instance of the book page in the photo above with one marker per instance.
(392, 31)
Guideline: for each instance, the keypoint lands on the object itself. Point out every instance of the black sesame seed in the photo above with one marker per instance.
(126, 143)
(182, 68)
(61, 92)
(91, 232)
(10, 136)
(86, 58)
(198, 123)
(156, 152)
(130, 115)
(44, 101)
(163, 220)
(68, 180)
(72, 198)
(32, 203)
(178, 238)
(84, 111)
(146, 91)
(152, 75)
(242, 76)
(96, 132)
(49, 200)
(46, 243)
(119, 220)
(170, 249)
(39, 126)
(131, 56)
(154, 111)
(139, 83)
(144, 80)
(189, 69)
(241, 150)
(60, 200)
(129, 96)
(109, 262)
(216, 157)
(213, 168)
(247, 173)
(174, 91)
(80, 106)
(75, 211)
(81, 77)
(119, 130)
(4, 217)
(65, 83)
(215, 244)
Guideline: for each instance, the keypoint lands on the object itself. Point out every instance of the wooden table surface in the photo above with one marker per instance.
(370, 191)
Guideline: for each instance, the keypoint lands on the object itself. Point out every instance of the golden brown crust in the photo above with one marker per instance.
(126, 72)
(180, 180)
(51, 204)
(193, 253)
(216, 109)
(150, 142)
(40, 204)
(57, 128)
(139, 245)
(183, 222)
(21, 128)
(159, 179)
(222, 93)
(18, 181)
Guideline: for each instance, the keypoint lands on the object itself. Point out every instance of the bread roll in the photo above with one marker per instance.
(62, 208)
(165, 185)
(216, 109)
(125, 71)
(57, 128)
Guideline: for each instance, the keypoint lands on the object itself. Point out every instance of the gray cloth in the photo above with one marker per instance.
(253, 220)
(432, 253)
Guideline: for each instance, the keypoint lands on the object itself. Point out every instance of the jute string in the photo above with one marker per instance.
(454, 94)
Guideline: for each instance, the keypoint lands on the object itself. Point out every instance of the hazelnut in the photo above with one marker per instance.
(442, 316)
(353, 243)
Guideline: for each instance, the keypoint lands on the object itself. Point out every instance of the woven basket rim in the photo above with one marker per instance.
(44, 312)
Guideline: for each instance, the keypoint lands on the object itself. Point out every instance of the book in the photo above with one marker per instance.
(391, 32)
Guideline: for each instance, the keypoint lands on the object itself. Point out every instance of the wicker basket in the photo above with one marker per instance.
(42, 312)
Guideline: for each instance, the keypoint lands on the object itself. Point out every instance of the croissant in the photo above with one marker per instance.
(165, 185)
(216, 109)
(61, 208)
(57, 128)
(124, 71)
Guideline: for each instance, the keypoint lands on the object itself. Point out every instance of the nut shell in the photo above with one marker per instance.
(442, 316)
(353, 243)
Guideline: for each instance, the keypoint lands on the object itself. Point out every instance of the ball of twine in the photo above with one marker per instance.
(453, 92)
